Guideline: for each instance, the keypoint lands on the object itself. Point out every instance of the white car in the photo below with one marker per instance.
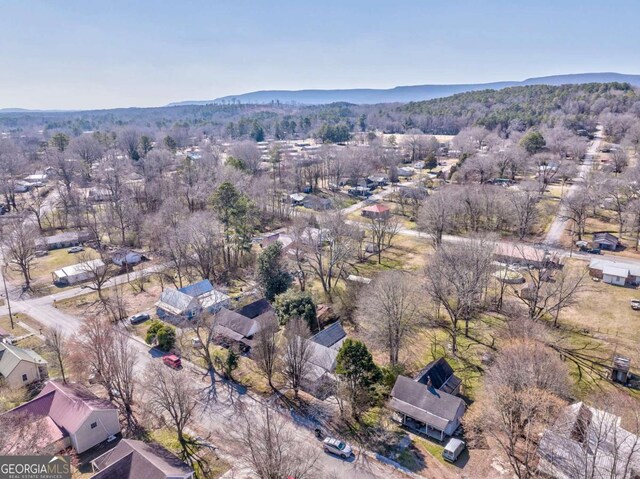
(75, 249)
(337, 447)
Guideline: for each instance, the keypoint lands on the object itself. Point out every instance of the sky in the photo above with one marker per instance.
(88, 54)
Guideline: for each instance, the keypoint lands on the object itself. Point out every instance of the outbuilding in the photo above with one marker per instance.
(77, 273)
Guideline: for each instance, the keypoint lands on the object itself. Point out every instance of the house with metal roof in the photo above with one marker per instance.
(614, 272)
(190, 301)
(77, 273)
(424, 405)
(330, 337)
(132, 459)
(68, 415)
(588, 442)
(20, 367)
(319, 377)
(440, 375)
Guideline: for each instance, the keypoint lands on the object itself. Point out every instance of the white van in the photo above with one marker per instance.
(453, 449)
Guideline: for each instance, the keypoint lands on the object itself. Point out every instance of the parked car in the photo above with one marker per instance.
(337, 447)
(635, 304)
(196, 343)
(172, 361)
(453, 449)
(75, 249)
(139, 318)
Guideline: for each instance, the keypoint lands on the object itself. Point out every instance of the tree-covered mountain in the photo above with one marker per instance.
(517, 108)
(404, 94)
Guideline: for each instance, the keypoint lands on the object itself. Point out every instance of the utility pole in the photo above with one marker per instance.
(6, 293)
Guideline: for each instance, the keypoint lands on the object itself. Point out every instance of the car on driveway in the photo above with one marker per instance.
(75, 249)
(139, 318)
(337, 447)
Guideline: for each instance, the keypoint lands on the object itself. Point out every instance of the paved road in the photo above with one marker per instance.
(559, 223)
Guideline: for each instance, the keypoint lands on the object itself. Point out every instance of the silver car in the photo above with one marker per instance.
(337, 447)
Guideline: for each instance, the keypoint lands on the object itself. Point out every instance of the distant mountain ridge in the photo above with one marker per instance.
(404, 94)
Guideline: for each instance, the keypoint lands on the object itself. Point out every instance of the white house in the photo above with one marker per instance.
(618, 273)
(20, 367)
(77, 273)
(190, 301)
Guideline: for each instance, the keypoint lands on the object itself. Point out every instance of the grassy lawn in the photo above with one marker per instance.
(5, 323)
(56, 259)
(136, 301)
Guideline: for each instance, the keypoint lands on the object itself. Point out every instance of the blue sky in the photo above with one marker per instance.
(103, 54)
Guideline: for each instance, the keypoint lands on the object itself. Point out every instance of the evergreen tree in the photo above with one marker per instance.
(359, 374)
(272, 276)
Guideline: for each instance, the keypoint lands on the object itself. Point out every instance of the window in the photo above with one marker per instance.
(94, 425)
(24, 378)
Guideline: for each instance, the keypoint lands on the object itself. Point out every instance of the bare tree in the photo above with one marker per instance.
(57, 342)
(619, 160)
(456, 279)
(103, 351)
(20, 246)
(271, 448)
(297, 353)
(524, 203)
(122, 358)
(383, 231)
(99, 270)
(173, 399)
(248, 153)
(389, 310)
(593, 442)
(266, 349)
(330, 251)
(437, 215)
(551, 286)
(204, 235)
(522, 394)
(575, 207)
(204, 327)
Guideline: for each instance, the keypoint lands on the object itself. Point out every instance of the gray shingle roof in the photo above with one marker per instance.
(10, 357)
(236, 322)
(425, 404)
(441, 375)
(139, 460)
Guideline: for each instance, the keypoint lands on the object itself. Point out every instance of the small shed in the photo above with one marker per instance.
(620, 369)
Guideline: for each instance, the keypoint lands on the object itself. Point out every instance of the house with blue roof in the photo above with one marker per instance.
(191, 301)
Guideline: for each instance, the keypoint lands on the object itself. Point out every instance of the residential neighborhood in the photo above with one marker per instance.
(204, 275)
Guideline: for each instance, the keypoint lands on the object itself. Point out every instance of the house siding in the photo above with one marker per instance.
(32, 371)
(108, 424)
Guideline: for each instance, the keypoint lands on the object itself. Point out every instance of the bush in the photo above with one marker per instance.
(291, 304)
(162, 334)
